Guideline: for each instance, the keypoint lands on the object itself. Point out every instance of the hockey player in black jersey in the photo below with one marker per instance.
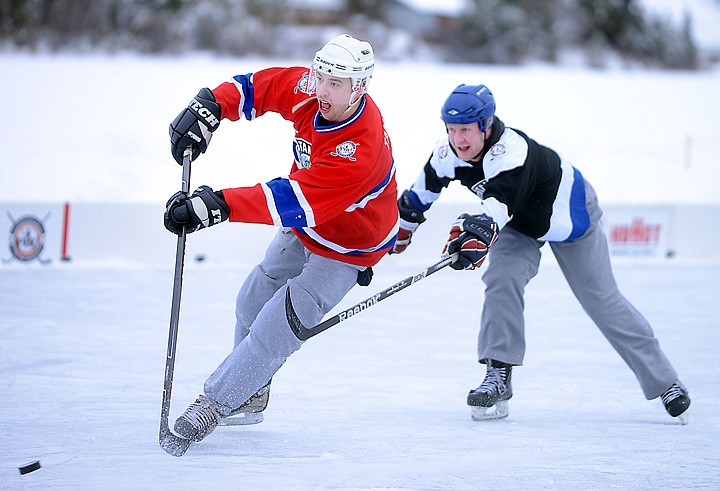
(527, 195)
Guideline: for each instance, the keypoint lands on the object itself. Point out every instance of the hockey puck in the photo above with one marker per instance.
(200, 258)
(29, 467)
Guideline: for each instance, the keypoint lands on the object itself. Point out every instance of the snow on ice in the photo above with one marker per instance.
(377, 402)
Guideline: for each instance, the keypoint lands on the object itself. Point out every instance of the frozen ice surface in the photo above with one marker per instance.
(375, 403)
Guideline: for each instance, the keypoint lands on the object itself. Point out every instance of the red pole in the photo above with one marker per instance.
(66, 219)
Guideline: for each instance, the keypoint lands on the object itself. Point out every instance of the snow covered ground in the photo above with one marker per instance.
(377, 402)
(92, 128)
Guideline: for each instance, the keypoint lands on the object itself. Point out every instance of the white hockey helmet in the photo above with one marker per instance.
(347, 57)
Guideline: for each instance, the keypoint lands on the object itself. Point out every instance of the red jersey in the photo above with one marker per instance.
(340, 197)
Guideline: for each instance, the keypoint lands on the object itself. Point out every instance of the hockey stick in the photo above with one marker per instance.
(169, 441)
(303, 333)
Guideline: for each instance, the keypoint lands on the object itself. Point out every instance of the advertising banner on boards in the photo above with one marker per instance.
(638, 232)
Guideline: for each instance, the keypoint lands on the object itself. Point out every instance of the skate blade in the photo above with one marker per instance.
(242, 419)
(499, 411)
(684, 418)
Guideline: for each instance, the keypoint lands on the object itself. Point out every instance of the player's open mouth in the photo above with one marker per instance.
(324, 106)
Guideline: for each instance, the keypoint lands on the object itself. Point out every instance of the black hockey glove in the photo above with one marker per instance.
(194, 125)
(470, 238)
(204, 208)
(410, 220)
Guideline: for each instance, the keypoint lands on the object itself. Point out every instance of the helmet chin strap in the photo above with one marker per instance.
(356, 91)
(355, 97)
(350, 106)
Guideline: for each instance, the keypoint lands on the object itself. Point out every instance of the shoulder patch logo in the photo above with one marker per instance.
(497, 149)
(443, 152)
(306, 84)
(346, 150)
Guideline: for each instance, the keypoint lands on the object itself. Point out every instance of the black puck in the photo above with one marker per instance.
(29, 467)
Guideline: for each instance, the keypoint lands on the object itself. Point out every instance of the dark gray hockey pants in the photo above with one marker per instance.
(263, 338)
(513, 261)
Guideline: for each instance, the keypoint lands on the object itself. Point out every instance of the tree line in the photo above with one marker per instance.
(486, 31)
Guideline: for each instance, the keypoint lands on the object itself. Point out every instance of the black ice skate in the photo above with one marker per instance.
(251, 411)
(489, 400)
(676, 401)
(198, 420)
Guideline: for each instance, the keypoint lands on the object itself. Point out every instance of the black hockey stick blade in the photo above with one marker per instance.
(171, 443)
(303, 333)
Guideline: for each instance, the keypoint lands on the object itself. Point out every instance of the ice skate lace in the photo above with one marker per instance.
(201, 414)
(672, 393)
(494, 380)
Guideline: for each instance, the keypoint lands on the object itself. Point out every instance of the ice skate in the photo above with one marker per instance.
(251, 411)
(677, 401)
(489, 400)
(198, 420)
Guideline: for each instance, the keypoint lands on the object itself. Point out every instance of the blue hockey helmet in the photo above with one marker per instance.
(469, 104)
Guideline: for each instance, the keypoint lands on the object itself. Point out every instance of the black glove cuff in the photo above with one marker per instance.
(407, 209)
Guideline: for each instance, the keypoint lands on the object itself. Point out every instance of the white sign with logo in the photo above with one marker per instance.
(34, 233)
(637, 233)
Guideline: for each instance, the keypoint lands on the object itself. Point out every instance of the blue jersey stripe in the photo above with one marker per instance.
(384, 182)
(287, 204)
(249, 92)
(376, 191)
(578, 211)
(327, 128)
(387, 245)
(415, 200)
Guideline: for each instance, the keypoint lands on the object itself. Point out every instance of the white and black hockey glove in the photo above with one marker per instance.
(470, 238)
(410, 220)
(194, 126)
(204, 208)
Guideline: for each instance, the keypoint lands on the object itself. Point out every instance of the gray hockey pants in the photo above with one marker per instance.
(263, 338)
(514, 260)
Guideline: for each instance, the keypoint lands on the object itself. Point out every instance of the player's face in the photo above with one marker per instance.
(333, 94)
(467, 140)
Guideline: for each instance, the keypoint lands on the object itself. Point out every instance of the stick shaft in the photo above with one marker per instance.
(303, 333)
(168, 441)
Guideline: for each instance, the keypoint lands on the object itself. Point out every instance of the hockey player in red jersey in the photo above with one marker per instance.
(336, 212)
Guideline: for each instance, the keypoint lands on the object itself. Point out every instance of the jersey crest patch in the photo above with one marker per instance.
(443, 152)
(346, 150)
(301, 151)
(497, 149)
(306, 84)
